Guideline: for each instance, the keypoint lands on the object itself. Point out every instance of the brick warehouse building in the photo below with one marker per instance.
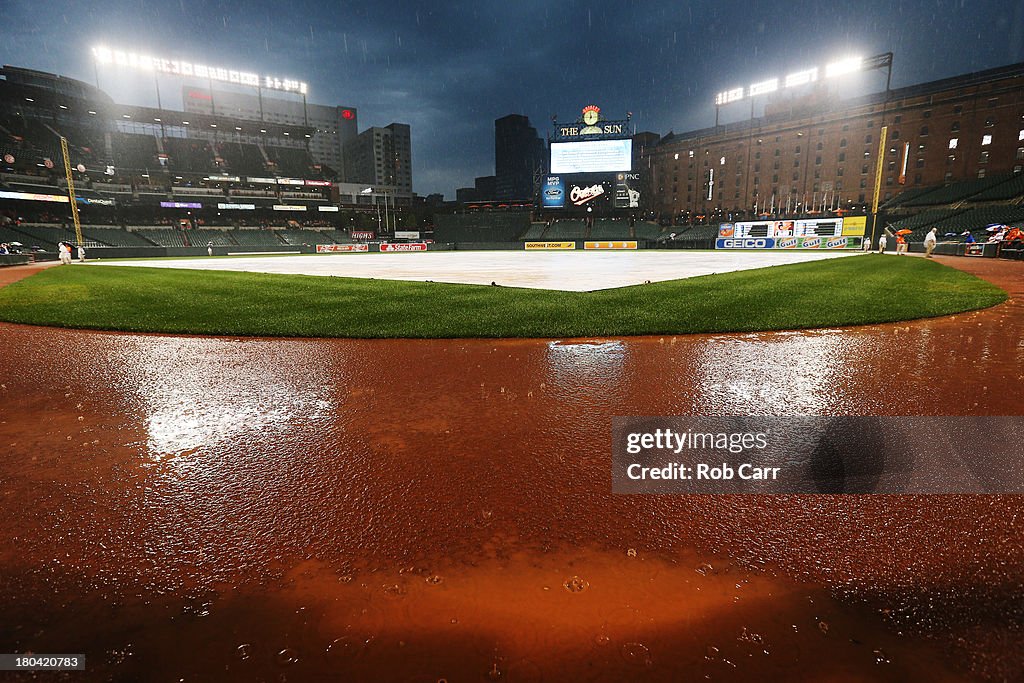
(817, 151)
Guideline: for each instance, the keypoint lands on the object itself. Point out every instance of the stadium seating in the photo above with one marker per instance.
(480, 227)
(956, 192)
(567, 229)
(189, 155)
(203, 236)
(242, 158)
(977, 219)
(134, 151)
(256, 237)
(296, 163)
(115, 237)
(535, 232)
(46, 235)
(1011, 188)
(165, 237)
(650, 231)
(611, 229)
(299, 237)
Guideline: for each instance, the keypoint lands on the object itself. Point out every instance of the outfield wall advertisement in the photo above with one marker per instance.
(610, 245)
(333, 248)
(788, 242)
(813, 233)
(542, 246)
(404, 246)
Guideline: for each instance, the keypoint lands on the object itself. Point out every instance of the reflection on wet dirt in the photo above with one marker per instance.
(427, 510)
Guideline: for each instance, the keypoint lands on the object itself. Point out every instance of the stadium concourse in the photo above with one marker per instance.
(567, 271)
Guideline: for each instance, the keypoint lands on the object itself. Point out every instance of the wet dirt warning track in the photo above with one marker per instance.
(213, 509)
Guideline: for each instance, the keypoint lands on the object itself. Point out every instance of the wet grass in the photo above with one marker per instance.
(847, 291)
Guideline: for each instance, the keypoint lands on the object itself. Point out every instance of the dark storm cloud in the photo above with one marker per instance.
(450, 69)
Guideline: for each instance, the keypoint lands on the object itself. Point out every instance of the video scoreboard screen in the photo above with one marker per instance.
(592, 156)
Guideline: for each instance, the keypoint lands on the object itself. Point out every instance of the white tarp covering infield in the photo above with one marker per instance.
(569, 271)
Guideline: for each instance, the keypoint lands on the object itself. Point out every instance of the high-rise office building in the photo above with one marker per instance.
(381, 156)
(518, 153)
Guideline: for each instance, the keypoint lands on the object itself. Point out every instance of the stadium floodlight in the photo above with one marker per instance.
(802, 77)
(728, 96)
(177, 67)
(763, 87)
(844, 66)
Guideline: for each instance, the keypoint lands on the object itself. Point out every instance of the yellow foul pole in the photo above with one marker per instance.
(71, 189)
(878, 182)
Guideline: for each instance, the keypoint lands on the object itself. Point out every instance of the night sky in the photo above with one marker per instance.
(450, 69)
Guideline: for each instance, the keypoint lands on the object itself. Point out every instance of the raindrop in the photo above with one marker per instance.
(287, 656)
(823, 626)
(704, 569)
(576, 585)
(244, 651)
(636, 653)
(881, 657)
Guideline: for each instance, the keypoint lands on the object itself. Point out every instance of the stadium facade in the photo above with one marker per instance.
(818, 152)
(334, 126)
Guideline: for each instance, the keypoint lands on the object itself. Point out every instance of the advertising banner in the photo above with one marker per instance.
(534, 246)
(181, 205)
(407, 234)
(855, 225)
(328, 209)
(289, 207)
(627, 190)
(609, 245)
(363, 234)
(553, 194)
(814, 242)
(406, 246)
(332, 248)
(745, 243)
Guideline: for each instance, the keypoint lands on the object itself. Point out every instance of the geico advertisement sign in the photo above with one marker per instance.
(550, 245)
(409, 246)
(745, 243)
(332, 248)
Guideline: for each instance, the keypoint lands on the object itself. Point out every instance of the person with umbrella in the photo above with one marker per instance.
(901, 241)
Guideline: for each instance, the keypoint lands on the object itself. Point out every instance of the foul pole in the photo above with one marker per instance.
(878, 182)
(71, 189)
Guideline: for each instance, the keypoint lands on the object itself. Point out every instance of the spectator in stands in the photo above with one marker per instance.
(881, 243)
(930, 241)
(970, 238)
(4, 249)
(1014, 238)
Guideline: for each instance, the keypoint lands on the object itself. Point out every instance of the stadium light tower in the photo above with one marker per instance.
(804, 77)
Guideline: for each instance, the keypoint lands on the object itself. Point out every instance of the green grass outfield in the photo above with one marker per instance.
(847, 291)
